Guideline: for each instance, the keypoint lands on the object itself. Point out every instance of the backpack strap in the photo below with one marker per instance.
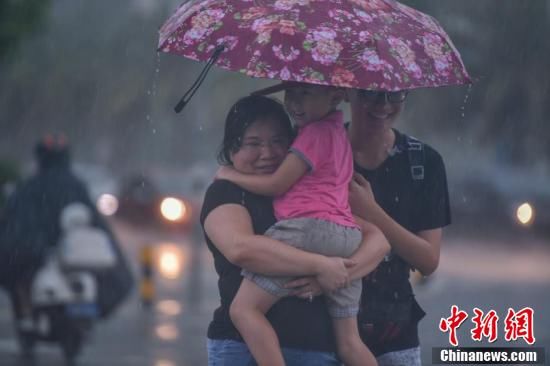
(416, 152)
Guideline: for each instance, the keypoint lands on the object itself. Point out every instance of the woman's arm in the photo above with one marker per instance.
(370, 253)
(289, 172)
(420, 250)
(229, 227)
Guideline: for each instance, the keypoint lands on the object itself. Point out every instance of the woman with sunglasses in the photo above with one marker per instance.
(405, 185)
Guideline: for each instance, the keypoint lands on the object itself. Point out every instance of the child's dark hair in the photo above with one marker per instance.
(242, 115)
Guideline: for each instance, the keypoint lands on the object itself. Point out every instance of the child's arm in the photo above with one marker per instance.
(289, 172)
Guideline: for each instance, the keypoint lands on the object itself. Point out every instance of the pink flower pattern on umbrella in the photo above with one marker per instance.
(364, 16)
(405, 56)
(324, 48)
(372, 62)
(285, 74)
(289, 4)
(290, 55)
(370, 44)
(343, 77)
(254, 13)
(435, 48)
(203, 25)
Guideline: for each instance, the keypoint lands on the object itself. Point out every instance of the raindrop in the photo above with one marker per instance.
(200, 128)
(154, 130)
(153, 89)
(459, 139)
(466, 96)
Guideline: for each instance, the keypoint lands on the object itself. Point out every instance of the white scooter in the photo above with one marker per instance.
(64, 291)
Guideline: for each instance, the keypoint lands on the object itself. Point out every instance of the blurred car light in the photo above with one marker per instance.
(167, 332)
(169, 307)
(107, 204)
(164, 363)
(170, 261)
(173, 209)
(525, 214)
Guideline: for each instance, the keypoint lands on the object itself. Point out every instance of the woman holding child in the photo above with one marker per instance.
(257, 137)
(408, 200)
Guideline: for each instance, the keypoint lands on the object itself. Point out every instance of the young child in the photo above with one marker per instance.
(311, 206)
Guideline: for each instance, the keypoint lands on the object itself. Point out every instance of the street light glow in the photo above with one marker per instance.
(107, 204)
(525, 214)
(170, 263)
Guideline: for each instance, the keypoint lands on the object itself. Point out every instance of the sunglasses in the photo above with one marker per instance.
(386, 97)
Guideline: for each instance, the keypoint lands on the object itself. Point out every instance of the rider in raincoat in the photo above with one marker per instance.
(30, 229)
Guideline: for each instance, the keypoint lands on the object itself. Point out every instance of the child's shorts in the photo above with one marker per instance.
(322, 237)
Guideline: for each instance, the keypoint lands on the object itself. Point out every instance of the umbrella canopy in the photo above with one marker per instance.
(367, 44)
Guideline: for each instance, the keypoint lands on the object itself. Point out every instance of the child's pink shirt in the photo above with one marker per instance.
(322, 192)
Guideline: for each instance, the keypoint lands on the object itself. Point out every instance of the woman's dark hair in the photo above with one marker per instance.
(242, 115)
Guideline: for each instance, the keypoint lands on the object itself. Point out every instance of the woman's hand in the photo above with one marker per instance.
(333, 273)
(361, 197)
(305, 288)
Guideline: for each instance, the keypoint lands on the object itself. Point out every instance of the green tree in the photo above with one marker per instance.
(19, 18)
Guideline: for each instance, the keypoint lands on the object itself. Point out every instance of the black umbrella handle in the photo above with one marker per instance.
(196, 85)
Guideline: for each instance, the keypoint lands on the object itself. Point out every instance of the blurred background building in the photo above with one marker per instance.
(90, 69)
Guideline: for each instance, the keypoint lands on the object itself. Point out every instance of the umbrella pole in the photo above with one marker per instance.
(196, 85)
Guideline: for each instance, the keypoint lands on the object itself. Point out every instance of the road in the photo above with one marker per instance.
(473, 273)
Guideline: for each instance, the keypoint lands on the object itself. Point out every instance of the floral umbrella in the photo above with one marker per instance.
(367, 44)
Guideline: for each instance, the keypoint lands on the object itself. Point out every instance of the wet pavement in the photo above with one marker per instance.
(485, 274)
(170, 333)
(489, 275)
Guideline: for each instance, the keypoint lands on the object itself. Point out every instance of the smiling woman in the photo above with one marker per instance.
(257, 138)
(244, 136)
(408, 201)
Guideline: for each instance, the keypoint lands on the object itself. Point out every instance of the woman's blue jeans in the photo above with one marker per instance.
(225, 352)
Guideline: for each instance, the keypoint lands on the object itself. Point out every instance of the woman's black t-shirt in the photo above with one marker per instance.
(298, 323)
(416, 204)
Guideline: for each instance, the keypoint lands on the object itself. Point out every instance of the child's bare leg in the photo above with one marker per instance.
(247, 312)
(351, 348)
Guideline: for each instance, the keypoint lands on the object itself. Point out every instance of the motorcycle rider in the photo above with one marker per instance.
(31, 227)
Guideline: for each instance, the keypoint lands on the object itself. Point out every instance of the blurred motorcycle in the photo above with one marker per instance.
(64, 292)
